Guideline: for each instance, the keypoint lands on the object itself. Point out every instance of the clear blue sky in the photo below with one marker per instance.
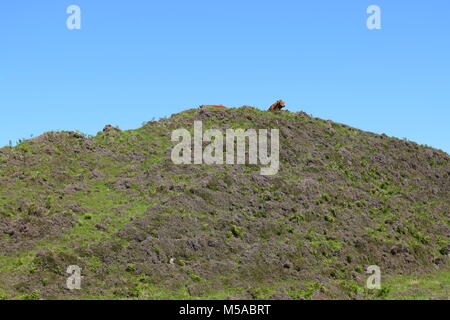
(134, 60)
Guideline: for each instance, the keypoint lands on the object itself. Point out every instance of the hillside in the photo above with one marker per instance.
(142, 227)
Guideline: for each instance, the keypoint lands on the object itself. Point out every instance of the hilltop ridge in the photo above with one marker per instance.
(142, 227)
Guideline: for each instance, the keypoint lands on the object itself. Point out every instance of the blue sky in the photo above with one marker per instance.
(134, 60)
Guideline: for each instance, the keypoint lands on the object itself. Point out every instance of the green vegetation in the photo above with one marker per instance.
(141, 227)
(435, 285)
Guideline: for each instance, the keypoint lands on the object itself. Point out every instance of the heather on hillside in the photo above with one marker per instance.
(142, 227)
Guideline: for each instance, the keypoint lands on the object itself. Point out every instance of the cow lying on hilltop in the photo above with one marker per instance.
(277, 106)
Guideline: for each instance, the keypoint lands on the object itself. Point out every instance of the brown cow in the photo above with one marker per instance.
(277, 106)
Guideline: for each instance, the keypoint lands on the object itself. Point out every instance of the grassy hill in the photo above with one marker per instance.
(141, 227)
